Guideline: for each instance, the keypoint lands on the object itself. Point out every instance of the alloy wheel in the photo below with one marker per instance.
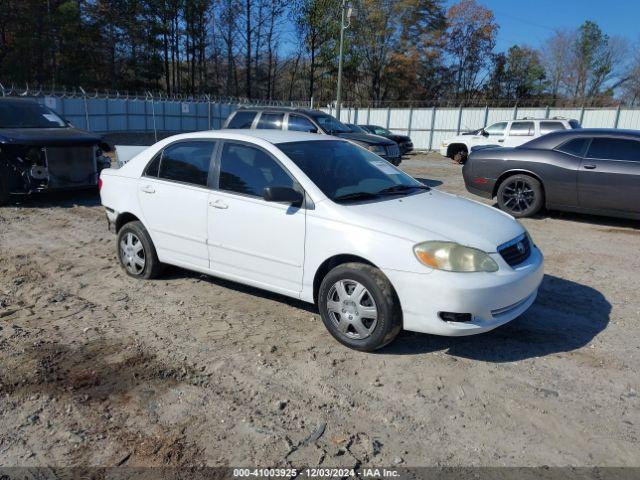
(518, 196)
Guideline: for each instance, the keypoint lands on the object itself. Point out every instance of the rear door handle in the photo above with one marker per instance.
(590, 167)
(218, 204)
(148, 189)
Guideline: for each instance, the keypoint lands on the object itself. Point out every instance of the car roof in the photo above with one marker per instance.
(270, 136)
(16, 101)
(553, 139)
(304, 111)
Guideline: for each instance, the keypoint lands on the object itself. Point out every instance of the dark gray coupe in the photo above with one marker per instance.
(594, 171)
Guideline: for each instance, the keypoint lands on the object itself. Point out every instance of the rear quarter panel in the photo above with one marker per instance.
(556, 170)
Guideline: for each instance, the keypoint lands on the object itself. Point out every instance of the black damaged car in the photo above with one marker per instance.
(39, 150)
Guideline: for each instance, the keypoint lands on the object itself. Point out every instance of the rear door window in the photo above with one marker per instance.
(187, 162)
(546, 127)
(271, 121)
(576, 147)
(242, 120)
(522, 129)
(615, 149)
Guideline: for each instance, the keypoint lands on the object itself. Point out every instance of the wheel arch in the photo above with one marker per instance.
(454, 147)
(517, 171)
(124, 218)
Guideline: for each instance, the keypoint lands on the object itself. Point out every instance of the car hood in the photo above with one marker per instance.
(435, 215)
(48, 136)
(364, 138)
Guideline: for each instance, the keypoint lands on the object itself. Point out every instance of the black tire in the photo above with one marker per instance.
(136, 232)
(460, 157)
(520, 195)
(4, 188)
(379, 294)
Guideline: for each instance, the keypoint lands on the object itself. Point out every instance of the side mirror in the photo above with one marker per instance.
(282, 195)
(484, 133)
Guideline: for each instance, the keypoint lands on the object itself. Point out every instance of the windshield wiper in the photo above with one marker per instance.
(355, 196)
(401, 189)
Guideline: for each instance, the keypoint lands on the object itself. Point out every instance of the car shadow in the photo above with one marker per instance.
(174, 273)
(429, 182)
(60, 199)
(594, 219)
(566, 316)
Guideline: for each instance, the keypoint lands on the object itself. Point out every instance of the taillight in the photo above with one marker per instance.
(99, 184)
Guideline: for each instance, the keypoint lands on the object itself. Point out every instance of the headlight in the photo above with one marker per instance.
(444, 144)
(377, 149)
(453, 257)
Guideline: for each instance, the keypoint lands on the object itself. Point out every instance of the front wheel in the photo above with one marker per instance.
(359, 307)
(520, 196)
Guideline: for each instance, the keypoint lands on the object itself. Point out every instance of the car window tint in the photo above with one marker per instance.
(298, 123)
(242, 120)
(520, 129)
(271, 121)
(249, 170)
(187, 162)
(615, 149)
(546, 127)
(496, 128)
(577, 146)
(153, 167)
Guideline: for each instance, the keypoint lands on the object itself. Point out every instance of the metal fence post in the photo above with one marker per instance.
(86, 108)
(106, 112)
(515, 112)
(433, 127)
(547, 112)
(153, 114)
(581, 115)
(617, 120)
(486, 116)
(388, 117)
(410, 120)
(459, 120)
(368, 114)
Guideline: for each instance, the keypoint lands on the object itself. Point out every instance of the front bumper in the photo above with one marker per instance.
(492, 299)
(443, 150)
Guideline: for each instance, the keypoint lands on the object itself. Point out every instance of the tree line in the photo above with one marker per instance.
(396, 51)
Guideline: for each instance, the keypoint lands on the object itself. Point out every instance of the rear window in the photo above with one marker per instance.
(271, 121)
(522, 129)
(615, 149)
(546, 127)
(242, 120)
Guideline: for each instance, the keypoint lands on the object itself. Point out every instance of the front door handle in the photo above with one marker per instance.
(590, 167)
(218, 204)
(148, 189)
(501, 140)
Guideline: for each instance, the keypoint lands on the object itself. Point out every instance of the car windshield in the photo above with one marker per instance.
(346, 172)
(331, 125)
(28, 115)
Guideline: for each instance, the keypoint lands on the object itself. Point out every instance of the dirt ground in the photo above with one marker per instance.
(99, 369)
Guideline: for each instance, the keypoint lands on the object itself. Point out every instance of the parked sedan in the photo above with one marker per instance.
(403, 141)
(40, 151)
(593, 171)
(323, 220)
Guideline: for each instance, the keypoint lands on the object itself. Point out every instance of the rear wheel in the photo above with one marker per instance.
(359, 307)
(136, 252)
(520, 195)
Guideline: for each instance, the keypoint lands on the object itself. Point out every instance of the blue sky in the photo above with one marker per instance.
(530, 22)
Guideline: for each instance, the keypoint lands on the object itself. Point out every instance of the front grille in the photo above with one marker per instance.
(393, 151)
(516, 251)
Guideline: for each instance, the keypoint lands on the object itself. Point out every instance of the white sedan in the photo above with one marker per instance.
(323, 220)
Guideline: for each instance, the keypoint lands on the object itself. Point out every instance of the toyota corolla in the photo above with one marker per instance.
(325, 221)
